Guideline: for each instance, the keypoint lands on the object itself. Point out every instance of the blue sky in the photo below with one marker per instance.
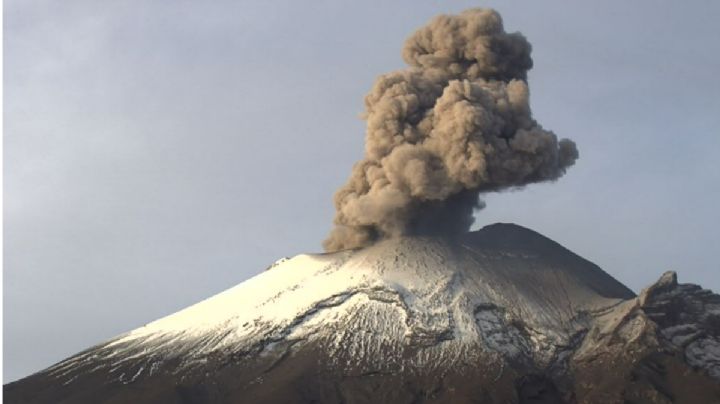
(159, 152)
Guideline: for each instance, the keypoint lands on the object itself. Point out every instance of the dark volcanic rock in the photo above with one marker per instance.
(501, 315)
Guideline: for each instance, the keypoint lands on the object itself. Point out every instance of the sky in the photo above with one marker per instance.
(157, 153)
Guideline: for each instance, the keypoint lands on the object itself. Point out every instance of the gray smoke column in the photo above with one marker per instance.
(454, 124)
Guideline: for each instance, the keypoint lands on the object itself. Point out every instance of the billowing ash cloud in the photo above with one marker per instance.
(454, 124)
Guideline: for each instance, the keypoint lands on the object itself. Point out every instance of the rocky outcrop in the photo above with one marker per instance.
(656, 348)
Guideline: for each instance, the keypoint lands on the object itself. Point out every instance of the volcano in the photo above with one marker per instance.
(499, 315)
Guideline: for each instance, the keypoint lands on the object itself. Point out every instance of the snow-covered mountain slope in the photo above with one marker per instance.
(404, 320)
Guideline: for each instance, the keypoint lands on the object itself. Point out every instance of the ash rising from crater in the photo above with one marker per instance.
(454, 124)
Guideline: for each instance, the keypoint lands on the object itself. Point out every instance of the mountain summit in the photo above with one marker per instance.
(499, 315)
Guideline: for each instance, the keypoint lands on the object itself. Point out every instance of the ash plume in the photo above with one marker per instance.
(455, 124)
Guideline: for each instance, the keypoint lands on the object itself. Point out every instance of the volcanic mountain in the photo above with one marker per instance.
(500, 315)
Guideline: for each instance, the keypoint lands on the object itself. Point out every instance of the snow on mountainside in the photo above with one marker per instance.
(403, 320)
(423, 288)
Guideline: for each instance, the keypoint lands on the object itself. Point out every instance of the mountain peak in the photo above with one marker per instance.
(491, 315)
